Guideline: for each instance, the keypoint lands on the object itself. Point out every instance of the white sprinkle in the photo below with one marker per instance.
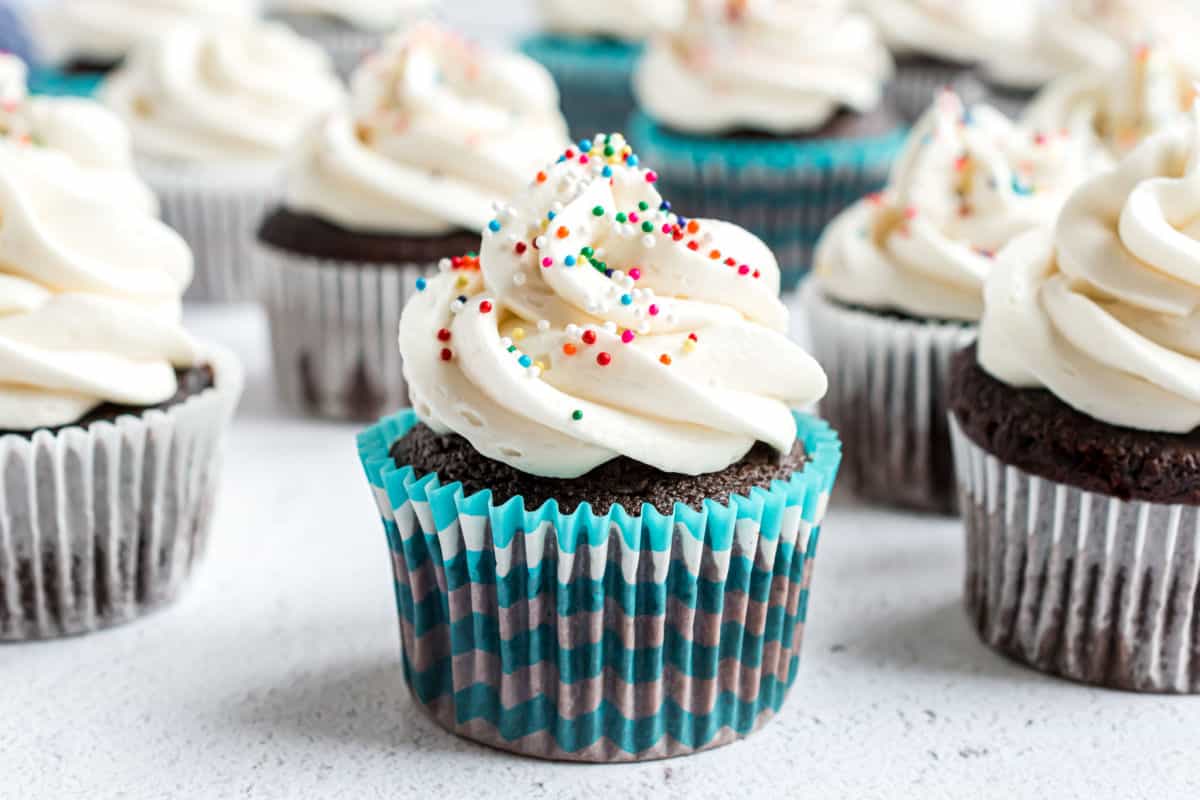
(457, 306)
(639, 312)
(644, 328)
(513, 238)
(519, 279)
(572, 329)
(556, 206)
(539, 242)
(610, 326)
(543, 325)
(592, 306)
(534, 372)
(636, 294)
(648, 240)
(505, 342)
(444, 265)
(618, 275)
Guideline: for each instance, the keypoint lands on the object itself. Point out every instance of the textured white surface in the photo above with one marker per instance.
(277, 675)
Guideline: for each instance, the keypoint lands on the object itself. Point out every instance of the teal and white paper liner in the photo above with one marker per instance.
(784, 191)
(216, 209)
(333, 331)
(887, 398)
(592, 637)
(1077, 584)
(102, 525)
(594, 77)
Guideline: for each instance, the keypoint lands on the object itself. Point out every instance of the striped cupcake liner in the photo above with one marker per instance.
(333, 332)
(346, 45)
(102, 525)
(216, 211)
(887, 398)
(595, 80)
(786, 192)
(591, 637)
(915, 86)
(1077, 584)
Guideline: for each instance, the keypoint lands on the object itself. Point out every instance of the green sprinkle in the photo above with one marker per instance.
(577, 415)
(608, 151)
(643, 206)
(648, 226)
(621, 217)
(587, 252)
(598, 211)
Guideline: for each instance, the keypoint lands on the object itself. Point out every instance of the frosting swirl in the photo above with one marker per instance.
(967, 183)
(1105, 311)
(1116, 110)
(89, 296)
(438, 129)
(83, 130)
(368, 15)
(961, 31)
(597, 324)
(106, 30)
(629, 20)
(242, 93)
(769, 65)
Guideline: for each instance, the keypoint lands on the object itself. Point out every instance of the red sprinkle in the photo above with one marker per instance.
(446, 354)
(604, 359)
(443, 335)
(693, 337)
(635, 273)
(627, 337)
(693, 245)
(521, 248)
(547, 262)
(743, 270)
(757, 274)
(485, 306)
(653, 309)
(730, 262)
(651, 177)
(589, 337)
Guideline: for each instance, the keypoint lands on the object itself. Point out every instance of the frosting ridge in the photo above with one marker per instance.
(628, 20)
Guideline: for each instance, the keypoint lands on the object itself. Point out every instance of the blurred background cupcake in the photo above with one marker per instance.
(348, 29)
(78, 42)
(591, 49)
(611, 411)
(111, 415)
(898, 288)
(937, 44)
(769, 114)
(1075, 430)
(214, 112)
(380, 192)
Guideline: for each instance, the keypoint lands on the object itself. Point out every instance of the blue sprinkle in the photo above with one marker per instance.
(585, 145)
(462, 298)
(569, 261)
(525, 361)
(551, 215)
(626, 299)
(632, 160)
(561, 159)
(608, 273)
(421, 284)
(683, 221)
(606, 172)
(494, 226)
(666, 205)
(1020, 188)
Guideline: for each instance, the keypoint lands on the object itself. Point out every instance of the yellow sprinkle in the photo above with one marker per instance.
(462, 280)
(518, 334)
(688, 345)
(541, 365)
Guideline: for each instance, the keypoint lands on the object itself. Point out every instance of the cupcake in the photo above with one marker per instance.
(898, 288)
(347, 29)
(111, 415)
(1115, 110)
(770, 116)
(591, 49)
(1075, 432)
(214, 113)
(938, 44)
(80, 41)
(383, 190)
(602, 510)
(14, 36)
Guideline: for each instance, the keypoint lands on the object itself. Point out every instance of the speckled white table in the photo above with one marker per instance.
(277, 675)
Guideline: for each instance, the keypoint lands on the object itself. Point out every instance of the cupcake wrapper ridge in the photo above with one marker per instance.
(592, 637)
(595, 80)
(915, 86)
(1078, 584)
(887, 398)
(346, 45)
(785, 192)
(333, 332)
(101, 525)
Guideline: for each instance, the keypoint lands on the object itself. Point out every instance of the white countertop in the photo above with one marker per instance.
(277, 676)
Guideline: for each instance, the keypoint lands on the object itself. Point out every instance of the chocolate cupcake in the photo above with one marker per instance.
(1075, 431)
(214, 114)
(379, 193)
(602, 510)
(111, 415)
(349, 30)
(898, 288)
(770, 115)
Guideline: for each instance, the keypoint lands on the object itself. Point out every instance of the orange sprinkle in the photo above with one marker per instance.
(570, 349)
(563, 232)
(541, 177)
(693, 226)
(665, 359)
(715, 255)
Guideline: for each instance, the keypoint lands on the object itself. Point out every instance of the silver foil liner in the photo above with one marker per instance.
(346, 45)
(101, 525)
(333, 332)
(887, 400)
(1077, 584)
(216, 211)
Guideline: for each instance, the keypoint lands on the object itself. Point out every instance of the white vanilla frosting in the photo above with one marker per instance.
(437, 130)
(89, 295)
(106, 30)
(1115, 110)
(968, 182)
(232, 94)
(630, 20)
(598, 324)
(1105, 310)
(83, 130)
(772, 65)
(962, 31)
(369, 15)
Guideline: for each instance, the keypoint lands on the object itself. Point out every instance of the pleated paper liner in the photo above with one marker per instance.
(1077, 584)
(333, 332)
(784, 191)
(593, 637)
(887, 398)
(346, 45)
(594, 78)
(101, 525)
(915, 85)
(216, 210)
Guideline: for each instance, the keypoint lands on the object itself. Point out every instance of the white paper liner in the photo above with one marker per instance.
(99, 526)
(216, 211)
(887, 399)
(1079, 584)
(334, 327)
